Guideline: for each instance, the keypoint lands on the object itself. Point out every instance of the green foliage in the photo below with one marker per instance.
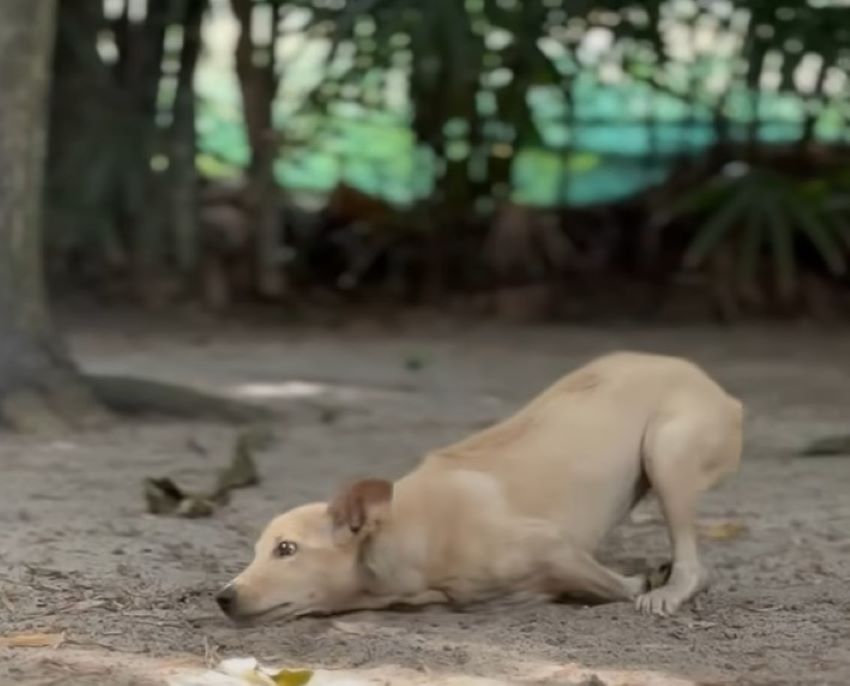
(481, 83)
(762, 215)
(460, 104)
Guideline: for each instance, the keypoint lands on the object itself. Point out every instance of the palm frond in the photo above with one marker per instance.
(716, 228)
(820, 235)
(782, 247)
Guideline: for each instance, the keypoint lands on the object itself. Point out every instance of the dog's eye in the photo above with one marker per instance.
(285, 549)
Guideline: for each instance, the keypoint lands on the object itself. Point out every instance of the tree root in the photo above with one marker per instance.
(68, 402)
(27, 411)
(134, 396)
(72, 399)
(60, 402)
(830, 445)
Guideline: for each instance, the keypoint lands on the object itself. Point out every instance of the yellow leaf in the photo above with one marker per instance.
(722, 531)
(256, 678)
(294, 677)
(35, 640)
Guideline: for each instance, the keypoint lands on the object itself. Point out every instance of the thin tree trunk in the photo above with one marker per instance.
(146, 213)
(258, 83)
(183, 144)
(807, 137)
(80, 221)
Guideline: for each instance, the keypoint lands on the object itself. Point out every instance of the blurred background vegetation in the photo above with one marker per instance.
(543, 159)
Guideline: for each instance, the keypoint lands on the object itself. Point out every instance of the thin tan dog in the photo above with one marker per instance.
(518, 509)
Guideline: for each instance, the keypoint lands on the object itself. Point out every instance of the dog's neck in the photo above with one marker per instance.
(398, 558)
(437, 535)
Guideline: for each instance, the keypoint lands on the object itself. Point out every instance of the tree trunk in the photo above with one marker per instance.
(184, 144)
(258, 82)
(146, 212)
(79, 228)
(39, 387)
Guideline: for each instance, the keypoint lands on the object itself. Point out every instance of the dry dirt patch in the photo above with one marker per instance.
(132, 592)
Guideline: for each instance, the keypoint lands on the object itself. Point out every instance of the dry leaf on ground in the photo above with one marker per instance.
(164, 497)
(250, 672)
(722, 530)
(33, 640)
(288, 677)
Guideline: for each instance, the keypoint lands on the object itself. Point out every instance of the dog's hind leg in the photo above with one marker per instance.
(573, 572)
(686, 453)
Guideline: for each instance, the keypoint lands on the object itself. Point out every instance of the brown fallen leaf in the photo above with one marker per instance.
(192, 507)
(164, 497)
(702, 625)
(722, 530)
(241, 472)
(33, 640)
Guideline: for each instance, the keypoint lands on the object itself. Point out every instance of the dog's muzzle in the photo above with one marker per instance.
(226, 599)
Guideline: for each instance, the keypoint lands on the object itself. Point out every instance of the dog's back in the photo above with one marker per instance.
(572, 456)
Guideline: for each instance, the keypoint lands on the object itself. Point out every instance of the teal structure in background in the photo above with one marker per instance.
(620, 140)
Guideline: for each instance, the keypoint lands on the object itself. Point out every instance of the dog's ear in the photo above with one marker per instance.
(358, 509)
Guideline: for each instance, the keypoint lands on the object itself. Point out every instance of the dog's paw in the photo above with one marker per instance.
(676, 588)
(662, 602)
(637, 585)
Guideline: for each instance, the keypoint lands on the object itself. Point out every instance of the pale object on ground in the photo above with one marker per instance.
(248, 672)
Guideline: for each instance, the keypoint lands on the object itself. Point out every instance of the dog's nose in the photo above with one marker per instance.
(226, 599)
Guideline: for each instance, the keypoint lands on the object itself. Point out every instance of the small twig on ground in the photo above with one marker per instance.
(6, 603)
(211, 654)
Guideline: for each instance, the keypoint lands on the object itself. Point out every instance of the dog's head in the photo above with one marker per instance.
(308, 559)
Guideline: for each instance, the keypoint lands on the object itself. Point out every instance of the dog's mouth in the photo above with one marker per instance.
(279, 611)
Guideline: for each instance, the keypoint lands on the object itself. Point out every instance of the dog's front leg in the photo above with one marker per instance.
(571, 571)
(382, 602)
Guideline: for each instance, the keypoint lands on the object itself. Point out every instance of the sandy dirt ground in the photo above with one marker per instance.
(132, 592)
